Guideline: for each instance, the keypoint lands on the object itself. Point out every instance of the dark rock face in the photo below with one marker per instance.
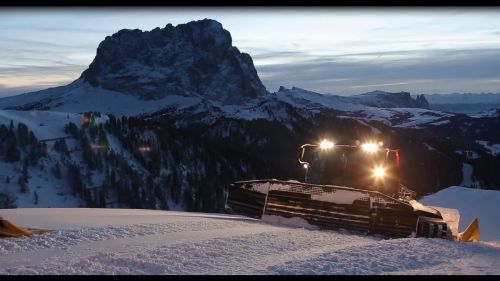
(391, 100)
(193, 59)
(422, 102)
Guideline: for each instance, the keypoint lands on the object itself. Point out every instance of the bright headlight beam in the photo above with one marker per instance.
(369, 147)
(326, 144)
(379, 172)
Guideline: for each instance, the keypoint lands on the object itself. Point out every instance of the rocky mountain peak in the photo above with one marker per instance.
(387, 99)
(192, 59)
(422, 102)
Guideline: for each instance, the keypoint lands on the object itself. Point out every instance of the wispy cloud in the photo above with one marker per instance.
(379, 85)
(41, 44)
(64, 29)
(326, 50)
(348, 77)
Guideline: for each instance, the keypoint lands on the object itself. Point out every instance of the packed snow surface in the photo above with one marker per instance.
(125, 241)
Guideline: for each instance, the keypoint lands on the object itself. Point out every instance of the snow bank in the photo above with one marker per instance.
(126, 241)
(483, 204)
(293, 221)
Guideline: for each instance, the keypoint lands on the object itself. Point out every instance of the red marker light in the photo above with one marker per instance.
(144, 149)
(95, 146)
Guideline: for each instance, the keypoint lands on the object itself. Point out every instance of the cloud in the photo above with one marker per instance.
(64, 29)
(6, 91)
(40, 44)
(273, 54)
(411, 67)
(347, 73)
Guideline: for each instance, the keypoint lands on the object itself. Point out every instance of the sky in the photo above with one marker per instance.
(335, 50)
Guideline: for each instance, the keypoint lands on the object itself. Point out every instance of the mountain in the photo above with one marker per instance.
(194, 59)
(469, 103)
(168, 118)
(388, 100)
(463, 98)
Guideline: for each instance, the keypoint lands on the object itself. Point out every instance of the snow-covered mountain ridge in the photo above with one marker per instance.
(193, 69)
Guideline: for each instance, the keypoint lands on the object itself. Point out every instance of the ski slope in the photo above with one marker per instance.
(124, 241)
(44, 124)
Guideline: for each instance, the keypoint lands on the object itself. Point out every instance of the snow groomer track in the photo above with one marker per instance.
(335, 207)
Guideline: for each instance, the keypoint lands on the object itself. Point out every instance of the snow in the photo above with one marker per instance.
(51, 192)
(470, 154)
(116, 146)
(452, 218)
(421, 117)
(44, 124)
(293, 221)
(80, 97)
(374, 130)
(418, 206)
(126, 241)
(303, 98)
(471, 203)
(429, 147)
(493, 149)
(339, 196)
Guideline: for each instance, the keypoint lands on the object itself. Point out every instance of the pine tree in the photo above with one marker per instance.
(33, 156)
(35, 198)
(88, 176)
(113, 178)
(7, 201)
(102, 199)
(23, 178)
(22, 183)
(71, 129)
(12, 154)
(56, 170)
(22, 134)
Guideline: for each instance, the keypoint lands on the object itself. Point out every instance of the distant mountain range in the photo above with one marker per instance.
(463, 98)
(469, 103)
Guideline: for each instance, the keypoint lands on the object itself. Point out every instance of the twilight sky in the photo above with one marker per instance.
(328, 50)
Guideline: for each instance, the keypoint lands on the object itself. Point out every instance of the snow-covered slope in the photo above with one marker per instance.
(483, 204)
(44, 124)
(50, 190)
(375, 106)
(80, 97)
(96, 241)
